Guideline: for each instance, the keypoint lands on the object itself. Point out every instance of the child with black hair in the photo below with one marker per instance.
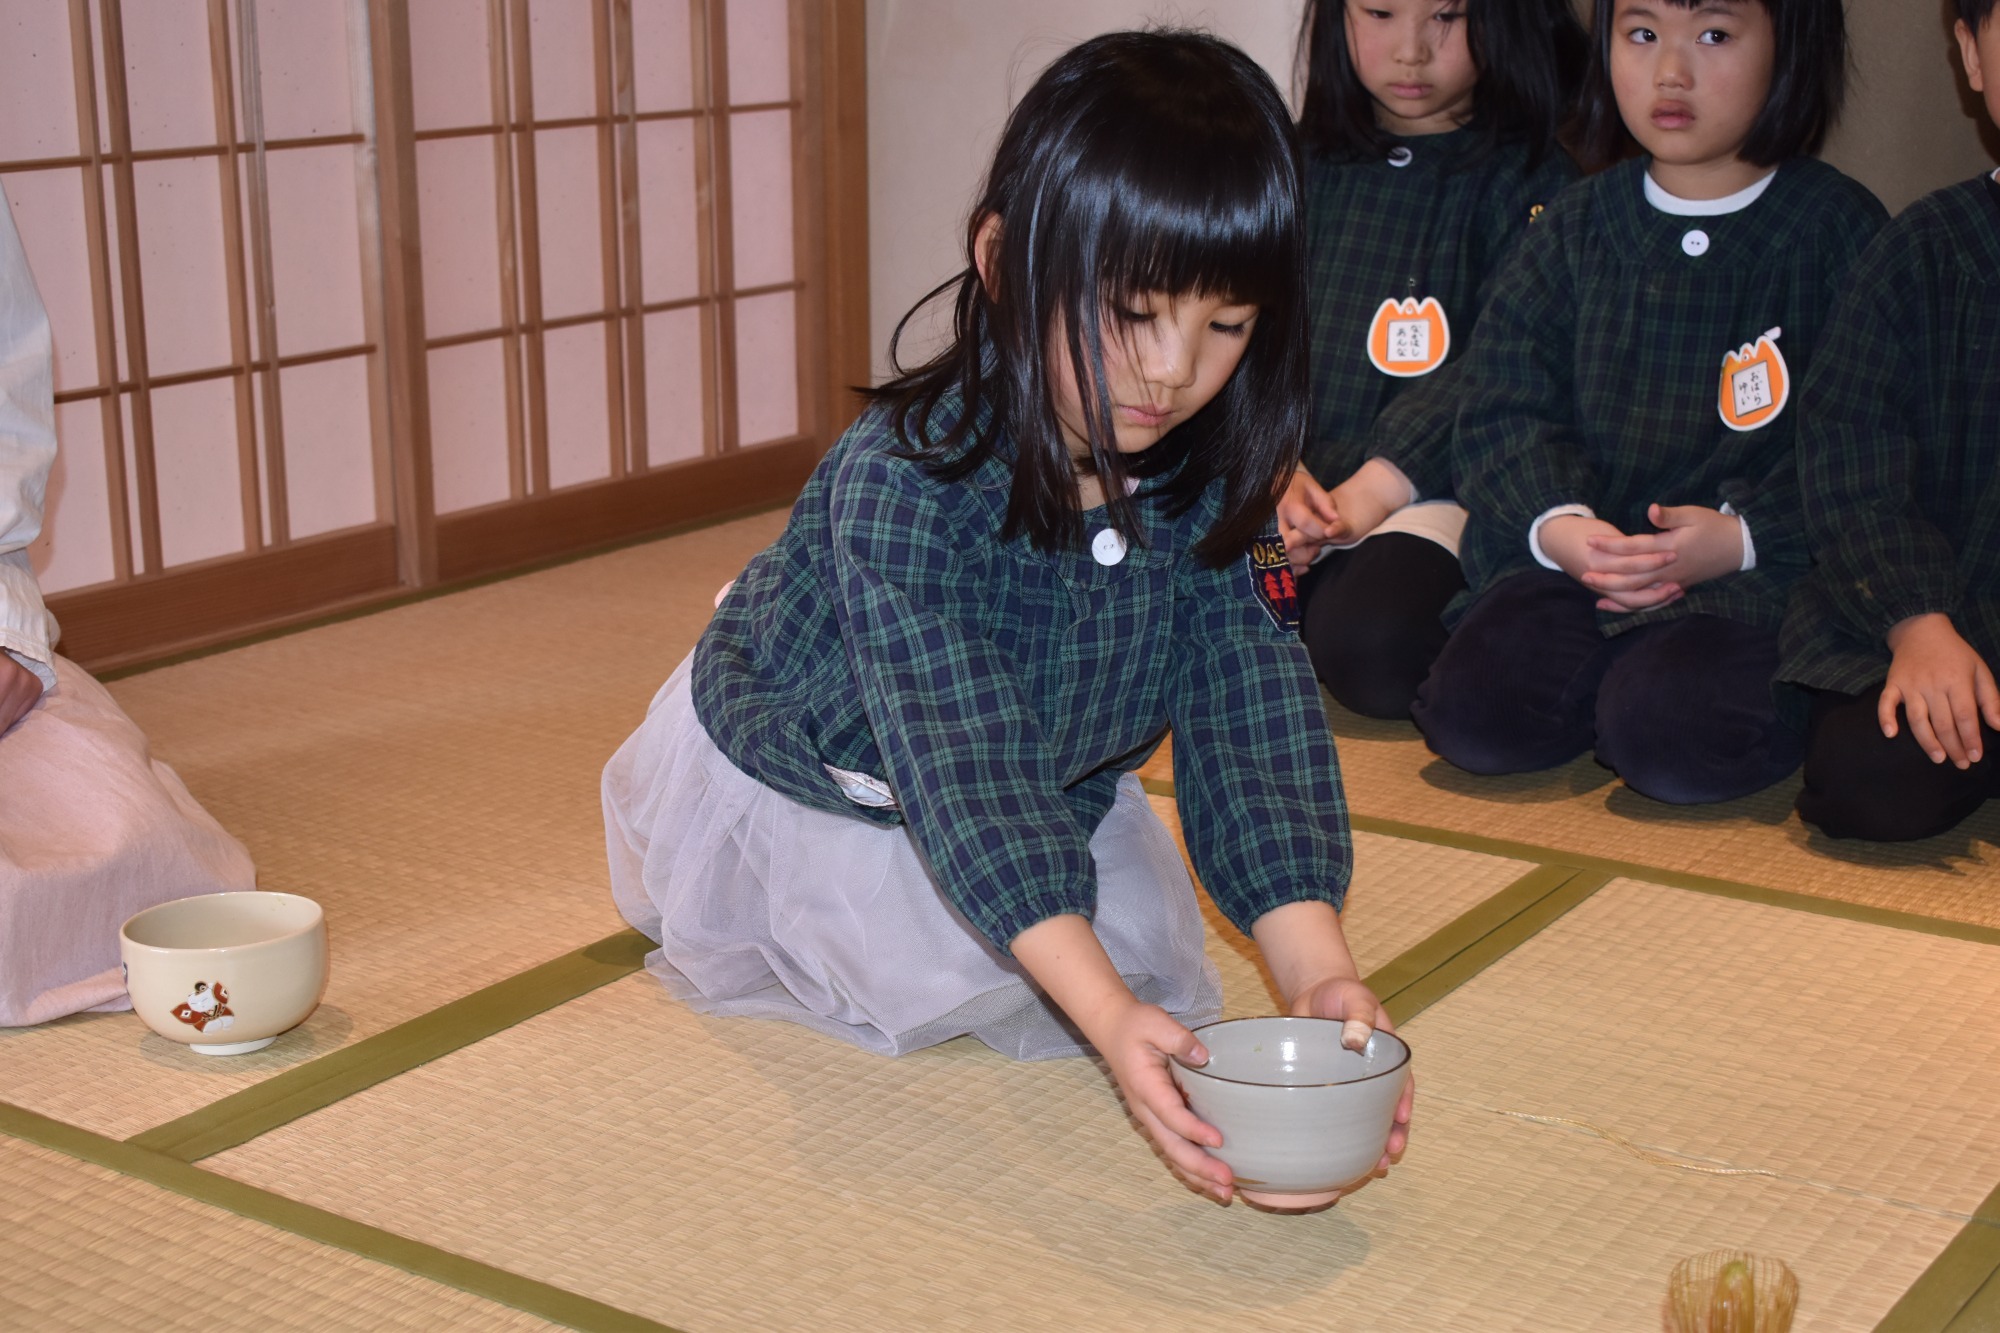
(1430, 132)
(891, 794)
(1625, 439)
(1896, 629)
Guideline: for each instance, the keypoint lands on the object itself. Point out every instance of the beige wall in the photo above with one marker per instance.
(942, 74)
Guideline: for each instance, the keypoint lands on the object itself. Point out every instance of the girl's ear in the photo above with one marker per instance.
(1968, 50)
(986, 252)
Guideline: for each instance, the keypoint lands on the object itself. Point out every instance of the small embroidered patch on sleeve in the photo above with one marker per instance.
(1271, 579)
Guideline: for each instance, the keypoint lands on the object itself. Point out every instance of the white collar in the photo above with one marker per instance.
(1707, 208)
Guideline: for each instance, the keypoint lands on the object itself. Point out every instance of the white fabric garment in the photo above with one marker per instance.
(27, 452)
(92, 828)
(767, 908)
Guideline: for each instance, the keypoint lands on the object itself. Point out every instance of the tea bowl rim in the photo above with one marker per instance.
(1398, 1067)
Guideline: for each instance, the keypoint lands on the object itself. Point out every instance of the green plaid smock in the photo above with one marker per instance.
(1593, 378)
(1899, 454)
(1439, 226)
(1002, 691)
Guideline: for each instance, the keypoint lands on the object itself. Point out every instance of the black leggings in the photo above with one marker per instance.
(1681, 709)
(1862, 784)
(1371, 619)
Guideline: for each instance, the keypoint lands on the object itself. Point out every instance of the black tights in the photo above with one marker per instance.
(1371, 619)
(1862, 784)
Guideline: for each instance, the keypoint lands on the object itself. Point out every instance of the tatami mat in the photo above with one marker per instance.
(429, 775)
(90, 1250)
(720, 1174)
(1582, 809)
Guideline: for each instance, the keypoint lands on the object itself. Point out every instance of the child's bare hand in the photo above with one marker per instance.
(1377, 489)
(1944, 687)
(1137, 1042)
(1706, 543)
(1352, 1003)
(1307, 519)
(1624, 571)
(19, 689)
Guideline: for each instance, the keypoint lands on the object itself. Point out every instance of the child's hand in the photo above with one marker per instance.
(1624, 571)
(1356, 1006)
(1707, 543)
(1306, 519)
(1137, 1041)
(1944, 686)
(1377, 489)
(19, 689)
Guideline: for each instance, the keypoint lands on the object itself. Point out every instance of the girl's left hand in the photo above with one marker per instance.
(1348, 1000)
(1137, 1041)
(1706, 544)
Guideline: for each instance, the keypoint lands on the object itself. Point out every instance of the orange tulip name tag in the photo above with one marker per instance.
(1408, 338)
(1756, 383)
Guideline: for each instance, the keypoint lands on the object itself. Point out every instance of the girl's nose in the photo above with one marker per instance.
(1170, 358)
(1674, 69)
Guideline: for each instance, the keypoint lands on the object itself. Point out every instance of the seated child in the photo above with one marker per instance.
(1625, 434)
(1896, 629)
(890, 795)
(92, 828)
(1430, 143)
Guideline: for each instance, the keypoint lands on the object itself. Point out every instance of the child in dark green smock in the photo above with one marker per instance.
(1625, 441)
(1896, 630)
(1431, 143)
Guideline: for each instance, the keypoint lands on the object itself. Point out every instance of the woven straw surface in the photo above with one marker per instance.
(429, 775)
(1582, 808)
(90, 1250)
(720, 1175)
(1864, 1058)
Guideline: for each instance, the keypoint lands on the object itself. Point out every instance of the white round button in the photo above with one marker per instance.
(1107, 547)
(1695, 243)
(1400, 156)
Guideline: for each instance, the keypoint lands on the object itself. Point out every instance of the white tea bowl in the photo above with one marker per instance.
(1301, 1115)
(225, 973)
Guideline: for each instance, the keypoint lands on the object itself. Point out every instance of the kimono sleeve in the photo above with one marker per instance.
(1254, 766)
(962, 746)
(27, 452)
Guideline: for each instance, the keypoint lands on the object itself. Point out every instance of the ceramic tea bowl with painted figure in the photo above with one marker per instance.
(1301, 1115)
(226, 973)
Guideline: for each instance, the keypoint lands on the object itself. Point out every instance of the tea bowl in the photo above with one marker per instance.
(1301, 1115)
(225, 973)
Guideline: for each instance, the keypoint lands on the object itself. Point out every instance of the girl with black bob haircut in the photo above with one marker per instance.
(892, 793)
(1431, 128)
(1188, 182)
(1529, 53)
(1808, 84)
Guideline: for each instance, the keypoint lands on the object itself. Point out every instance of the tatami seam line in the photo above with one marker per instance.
(468, 1275)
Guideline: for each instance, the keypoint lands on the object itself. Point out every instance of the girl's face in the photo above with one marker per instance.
(1165, 359)
(1413, 58)
(1690, 85)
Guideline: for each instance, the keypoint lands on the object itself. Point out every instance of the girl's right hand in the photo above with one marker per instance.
(1625, 572)
(1307, 519)
(1137, 1041)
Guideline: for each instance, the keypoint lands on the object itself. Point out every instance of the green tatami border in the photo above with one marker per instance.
(242, 1116)
(317, 1224)
(1960, 1291)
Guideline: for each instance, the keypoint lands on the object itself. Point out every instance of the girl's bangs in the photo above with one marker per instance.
(1209, 224)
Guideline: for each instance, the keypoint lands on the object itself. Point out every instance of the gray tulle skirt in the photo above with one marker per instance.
(768, 908)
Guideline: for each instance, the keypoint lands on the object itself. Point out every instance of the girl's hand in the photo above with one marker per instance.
(1306, 519)
(1944, 687)
(1377, 489)
(19, 689)
(1137, 1041)
(1707, 543)
(1355, 1005)
(1624, 571)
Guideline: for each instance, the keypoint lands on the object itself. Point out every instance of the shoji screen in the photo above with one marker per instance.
(190, 180)
(353, 296)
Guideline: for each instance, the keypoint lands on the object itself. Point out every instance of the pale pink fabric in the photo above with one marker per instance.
(92, 830)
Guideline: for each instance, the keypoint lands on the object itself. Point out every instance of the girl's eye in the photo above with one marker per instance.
(1135, 316)
(1451, 16)
(1641, 36)
(1713, 37)
(1235, 330)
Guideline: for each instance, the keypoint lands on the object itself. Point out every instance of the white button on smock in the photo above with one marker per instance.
(1695, 243)
(1107, 547)
(1400, 156)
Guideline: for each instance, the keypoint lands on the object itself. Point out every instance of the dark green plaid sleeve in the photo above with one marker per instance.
(1515, 453)
(1881, 560)
(1256, 775)
(963, 747)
